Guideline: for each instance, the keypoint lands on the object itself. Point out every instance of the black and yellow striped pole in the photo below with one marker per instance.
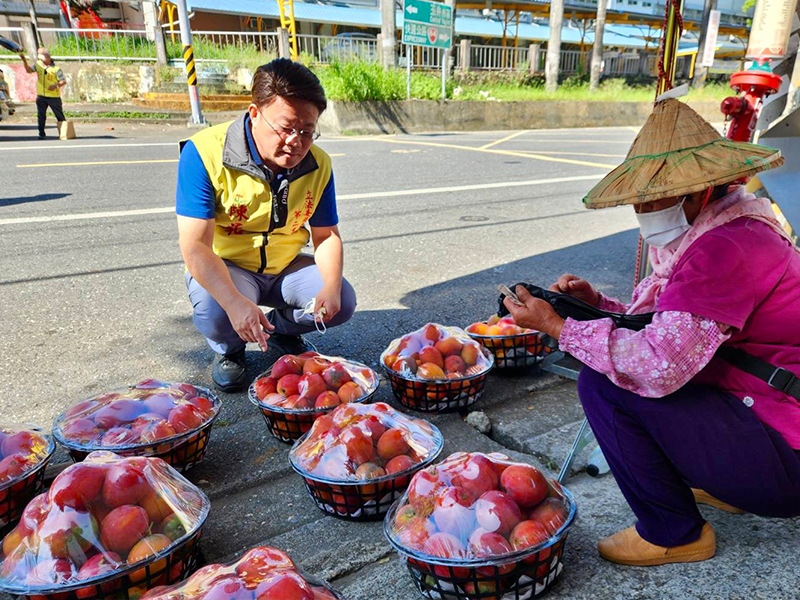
(188, 58)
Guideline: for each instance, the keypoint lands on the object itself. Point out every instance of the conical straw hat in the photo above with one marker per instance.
(678, 152)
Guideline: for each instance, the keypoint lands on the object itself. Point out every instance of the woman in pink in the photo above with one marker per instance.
(678, 423)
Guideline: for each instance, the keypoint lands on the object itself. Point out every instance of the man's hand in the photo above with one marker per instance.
(52, 87)
(534, 314)
(577, 288)
(330, 300)
(250, 322)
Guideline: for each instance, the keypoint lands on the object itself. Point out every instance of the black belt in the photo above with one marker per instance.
(776, 377)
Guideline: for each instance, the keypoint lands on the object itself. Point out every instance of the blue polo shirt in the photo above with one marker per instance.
(195, 195)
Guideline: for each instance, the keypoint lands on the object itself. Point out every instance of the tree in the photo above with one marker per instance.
(553, 60)
(597, 48)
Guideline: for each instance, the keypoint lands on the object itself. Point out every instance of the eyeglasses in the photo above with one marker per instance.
(286, 132)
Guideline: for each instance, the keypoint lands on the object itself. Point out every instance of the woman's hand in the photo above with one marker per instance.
(577, 288)
(534, 313)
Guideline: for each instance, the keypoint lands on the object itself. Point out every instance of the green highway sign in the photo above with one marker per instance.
(427, 23)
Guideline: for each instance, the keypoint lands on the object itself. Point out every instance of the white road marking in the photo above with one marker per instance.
(389, 194)
(81, 146)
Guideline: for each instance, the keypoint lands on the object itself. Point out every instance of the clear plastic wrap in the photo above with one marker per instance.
(481, 526)
(436, 368)
(513, 347)
(298, 389)
(151, 418)
(25, 451)
(262, 573)
(107, 526)
(358, 459)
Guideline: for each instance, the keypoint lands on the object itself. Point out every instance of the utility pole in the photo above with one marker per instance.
(154, 31)
(188, 57)
(552, 64)
(35, 21)
(597, 48)
(448, 53)
(388, 34)
(701, 72)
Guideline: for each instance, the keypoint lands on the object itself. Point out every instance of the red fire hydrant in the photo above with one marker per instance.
(741, 112)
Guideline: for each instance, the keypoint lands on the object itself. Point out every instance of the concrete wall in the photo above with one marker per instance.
(86, 82)
(431, 116)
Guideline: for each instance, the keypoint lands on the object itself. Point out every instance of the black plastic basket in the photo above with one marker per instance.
(128, 584)
(518, 576)
(363, 500)
(289, 425)
(519, 351)
(438, 395)
(15, 494)
(174, 564)
(181, 452)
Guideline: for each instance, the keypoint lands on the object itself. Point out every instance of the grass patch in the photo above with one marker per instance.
(358, 81)
(132, 48)
(611, 90)
(118, 114)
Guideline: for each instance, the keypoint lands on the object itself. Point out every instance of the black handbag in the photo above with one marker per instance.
(567, 306)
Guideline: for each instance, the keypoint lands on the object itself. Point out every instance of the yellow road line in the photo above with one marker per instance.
(335, 155)
(576, 153)
(103, 162)
(505, 139)
(634, 129)
(531, 155)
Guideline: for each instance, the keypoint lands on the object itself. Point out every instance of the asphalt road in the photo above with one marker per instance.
(91, 277)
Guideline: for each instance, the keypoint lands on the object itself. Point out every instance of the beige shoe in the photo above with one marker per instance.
(703, 497)
(627, 547)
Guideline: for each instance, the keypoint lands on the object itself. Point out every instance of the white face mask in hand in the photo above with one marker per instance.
(661, 227)
(319, 324)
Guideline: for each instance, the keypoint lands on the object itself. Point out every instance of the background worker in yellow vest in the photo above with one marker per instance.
(251, 194)
(48, 87)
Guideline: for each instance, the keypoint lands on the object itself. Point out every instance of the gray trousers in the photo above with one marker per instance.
(287, 293)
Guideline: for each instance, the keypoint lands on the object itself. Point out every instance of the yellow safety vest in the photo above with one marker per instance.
(47, 76)
(256, 228)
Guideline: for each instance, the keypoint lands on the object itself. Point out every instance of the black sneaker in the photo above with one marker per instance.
(290, 344)
(228, 372)
(42, 136)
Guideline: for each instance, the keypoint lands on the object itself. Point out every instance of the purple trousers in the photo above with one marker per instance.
(701, 437)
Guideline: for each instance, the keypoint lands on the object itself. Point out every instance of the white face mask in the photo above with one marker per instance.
(661, 227)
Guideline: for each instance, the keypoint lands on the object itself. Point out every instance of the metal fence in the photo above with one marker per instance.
(621, 64)
(423, 58)
(223, 46)
(218, 45)
(498, 58)
(327, 49)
